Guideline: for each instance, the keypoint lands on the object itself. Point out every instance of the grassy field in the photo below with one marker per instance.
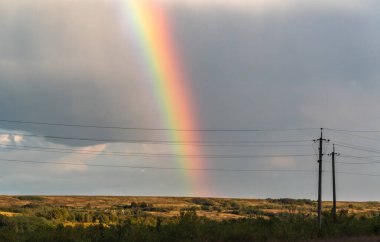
(81, 218)
(212, 208)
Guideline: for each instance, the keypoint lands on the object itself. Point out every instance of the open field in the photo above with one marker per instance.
(81, 218)
(212, 208)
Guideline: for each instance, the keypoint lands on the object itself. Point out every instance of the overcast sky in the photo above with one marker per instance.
(250, 65)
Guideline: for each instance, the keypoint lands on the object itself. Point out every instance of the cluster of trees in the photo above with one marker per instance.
(210, 205)
(147, 207)
(133, 222)
(291, 201)
(187, 227)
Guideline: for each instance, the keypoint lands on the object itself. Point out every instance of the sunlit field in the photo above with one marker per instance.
(65, 218)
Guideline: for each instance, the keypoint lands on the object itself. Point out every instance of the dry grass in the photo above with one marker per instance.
(175, 204)
(9, 214)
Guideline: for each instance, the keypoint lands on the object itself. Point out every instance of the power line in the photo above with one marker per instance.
(360, 157)
(109, 152)
(357, 158)
(354, 131)
(358, 163)
(357, 174)
(143, 154)
(355, 135)
(250, 145)
(59, 149)
(155, 141)
(179, 168)
(350, 144)
(154, 167)
(151, 129)
(359, 148)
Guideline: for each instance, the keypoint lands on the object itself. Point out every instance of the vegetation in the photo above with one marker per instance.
(178, 219)
(30, 198)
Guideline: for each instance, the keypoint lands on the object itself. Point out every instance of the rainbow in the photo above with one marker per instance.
(150, 25)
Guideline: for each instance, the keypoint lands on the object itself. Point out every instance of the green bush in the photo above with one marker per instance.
(202, 201)
(206, 207)
(290, 201)
(30, 198)
(189, 227)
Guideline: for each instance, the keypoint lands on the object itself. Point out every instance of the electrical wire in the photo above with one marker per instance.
(359, 148)
(355, 135)
(142, 154)
(151, 129)
(357, 174)
(155, 141)
(153, 167)
(179, 168)
(353, 131)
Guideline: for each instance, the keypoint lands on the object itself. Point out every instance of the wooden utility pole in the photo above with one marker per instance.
(320, 158)
(334, 184)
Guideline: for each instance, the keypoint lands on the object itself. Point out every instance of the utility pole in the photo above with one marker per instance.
(334, 187)
(320, 157)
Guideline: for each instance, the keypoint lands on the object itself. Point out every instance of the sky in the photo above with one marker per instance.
(279, 64)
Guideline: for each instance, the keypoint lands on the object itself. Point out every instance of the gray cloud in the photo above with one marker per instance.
(274, 62)
(57, 66)
(70, 63)
(301, 66)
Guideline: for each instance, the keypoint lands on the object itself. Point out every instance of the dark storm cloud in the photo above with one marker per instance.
(261, 67)
(302, 65)
(70, 62)
(73, 64)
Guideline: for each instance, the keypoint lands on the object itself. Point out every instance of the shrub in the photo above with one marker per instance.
(290, 201)
(206, 207)
(30, 198)
(202, 201)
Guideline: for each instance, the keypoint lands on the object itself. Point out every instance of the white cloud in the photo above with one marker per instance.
(78, 162)
(18, 138)
(5, 139)
(95, 148)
